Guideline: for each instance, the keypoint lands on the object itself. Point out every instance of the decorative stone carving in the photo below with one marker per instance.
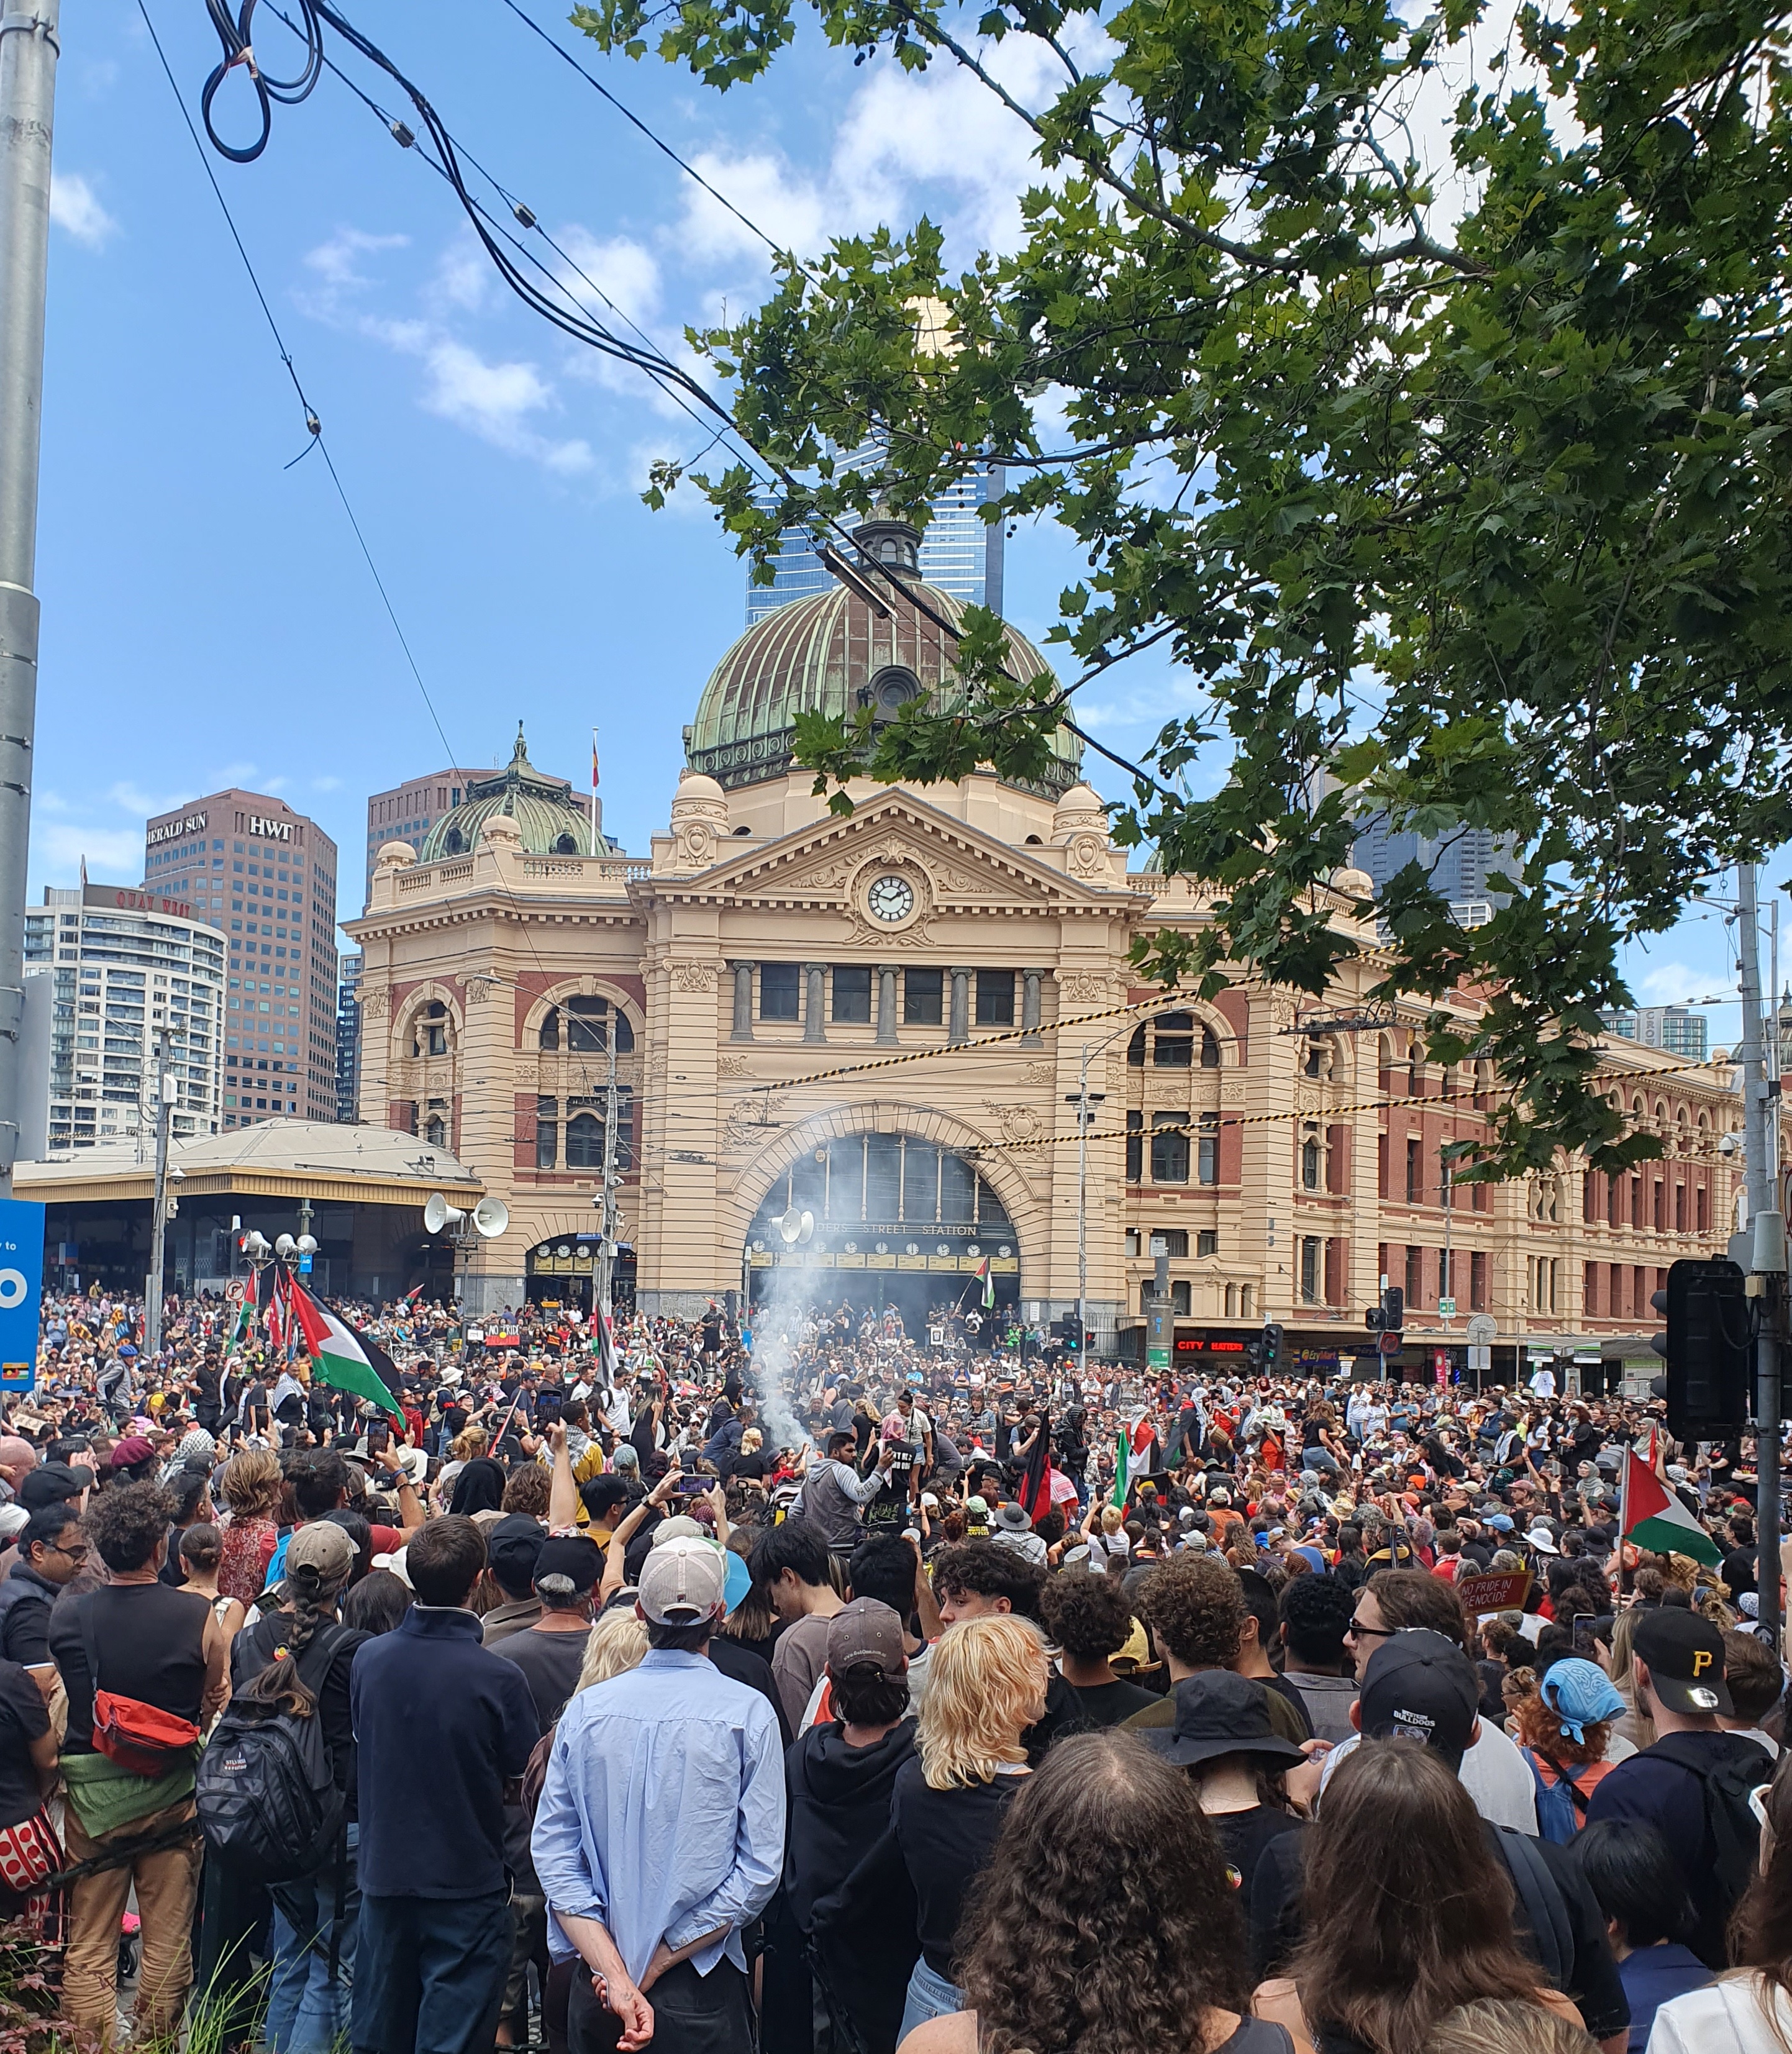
(695, 976)
(478, 990)
(1039, 1073)
(1084, 987)
(1089, 855)
(752, 1121)
(831, 877)
(1019, 1123)
(376, 999)
(730, 1066)
(1079, 812)
(700, 822)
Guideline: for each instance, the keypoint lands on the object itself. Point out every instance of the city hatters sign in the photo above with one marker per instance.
(271, 830)
(173, 830)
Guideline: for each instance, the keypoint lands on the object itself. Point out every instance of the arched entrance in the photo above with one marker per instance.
(563, 1271)
(880, 1219)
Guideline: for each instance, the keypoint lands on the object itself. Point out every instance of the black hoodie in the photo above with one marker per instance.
(844, 1883)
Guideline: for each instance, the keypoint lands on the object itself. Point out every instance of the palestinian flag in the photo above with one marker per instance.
(985, 1276)
(241, 1325)
(1654, 1518)
(1035, 1491)
(341, 1355)
(1123, 1463)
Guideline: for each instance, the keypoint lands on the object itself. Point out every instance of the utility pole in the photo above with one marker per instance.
(1766, 1283)
(159, 1211)
(606, 1204)
(28, 54)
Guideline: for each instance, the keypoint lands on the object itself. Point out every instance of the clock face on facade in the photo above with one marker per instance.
(891, 899)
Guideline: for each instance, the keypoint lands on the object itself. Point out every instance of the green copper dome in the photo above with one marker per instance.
(551, 821)
(833, 653)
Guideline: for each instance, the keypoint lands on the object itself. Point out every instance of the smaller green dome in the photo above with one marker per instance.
(550, 821)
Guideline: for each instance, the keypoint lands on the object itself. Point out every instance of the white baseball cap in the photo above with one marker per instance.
(683, 1581)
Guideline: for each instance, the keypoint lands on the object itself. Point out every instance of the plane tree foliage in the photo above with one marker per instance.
(1418, 390)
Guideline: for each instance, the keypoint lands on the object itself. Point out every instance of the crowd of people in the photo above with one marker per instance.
(804, 1685)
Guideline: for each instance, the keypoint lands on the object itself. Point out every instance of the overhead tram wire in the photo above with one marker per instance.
(235, 37)
(313, 424)
(526, 218)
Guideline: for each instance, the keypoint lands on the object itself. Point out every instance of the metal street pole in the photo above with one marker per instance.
(606, 1248)
(159, 1211)
(1082, 1221)
(28, 54)
(1766, 1263)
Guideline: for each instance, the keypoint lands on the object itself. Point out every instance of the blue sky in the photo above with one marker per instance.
(207, 617)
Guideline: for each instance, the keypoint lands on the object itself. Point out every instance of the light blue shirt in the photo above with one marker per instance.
(663, 1812)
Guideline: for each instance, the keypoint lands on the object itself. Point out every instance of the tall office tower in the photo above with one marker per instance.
(348, 1040)
(113, 973)
(266, 875)
(1673, 1029)
(410, 810)
(1459, 864)
(960, 553)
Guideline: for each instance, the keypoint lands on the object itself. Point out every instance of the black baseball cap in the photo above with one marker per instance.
(1419, 1685)
(579, 1560)
(513, 1546)
(53, 1483)
(1218, 1713)
(1684, 1654)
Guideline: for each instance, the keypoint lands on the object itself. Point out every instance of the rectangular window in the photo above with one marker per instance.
(1679, 1209)
(1135, 1148)
(1169, 1148)
(1415, 1275)
(924, 997)
(1415, 1171)
(1446, 1286)
(851, 995)
(1173, 1045)
(547, 1133)
(780, 991)
(1207, 1240)
(1175, 1243)
(1207, 1154)
(1310, 1269)
(1180, 1300)
(995, 998)
(1702, 1208)
(1591, 1291)
(1478, 1281)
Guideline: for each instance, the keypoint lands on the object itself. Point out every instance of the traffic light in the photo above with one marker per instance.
(1271, 1360)
(1393, 1309)
(1708, 1346)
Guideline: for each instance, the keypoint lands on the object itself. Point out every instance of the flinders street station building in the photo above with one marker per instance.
(857, 1049)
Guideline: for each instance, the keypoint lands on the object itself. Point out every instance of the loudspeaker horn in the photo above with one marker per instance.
(491, 1217)
(438, 1214)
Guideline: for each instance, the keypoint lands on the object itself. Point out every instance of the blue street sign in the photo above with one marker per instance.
(304, 1265)
(21, 1277)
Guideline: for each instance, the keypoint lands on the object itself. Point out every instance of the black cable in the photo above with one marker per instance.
(665, 148)
(311, 419)
(582, 327)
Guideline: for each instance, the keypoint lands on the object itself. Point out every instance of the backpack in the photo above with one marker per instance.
(1732, 1833)
(1545, 1909)
(1562, 1805)
(266, 1797)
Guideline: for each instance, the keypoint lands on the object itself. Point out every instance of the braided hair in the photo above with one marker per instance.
(312, 1594)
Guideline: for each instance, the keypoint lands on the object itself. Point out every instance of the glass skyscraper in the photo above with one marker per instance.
(1459, 864)
(959, 552)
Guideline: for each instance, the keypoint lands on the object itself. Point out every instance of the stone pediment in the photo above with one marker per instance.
(946, 865)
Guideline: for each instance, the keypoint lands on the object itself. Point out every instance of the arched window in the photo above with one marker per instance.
(429, 1031)
(1311, 1164)
(565, 845)
(1135, 1049)
(1210, 1049)
(550, 1028)
(588, 1027)
(453, 842)
(435, 1132)
(585, 1141)
(1415, 1071)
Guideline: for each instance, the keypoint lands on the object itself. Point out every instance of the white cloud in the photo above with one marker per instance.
(624, 271)
(113, 855)
(493, 400)
(74, 206)
(1673, 983)
(463, 275)
(326, 784)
